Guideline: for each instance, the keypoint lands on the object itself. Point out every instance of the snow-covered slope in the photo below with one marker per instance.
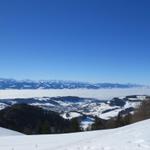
(7, 132)
(132, 137)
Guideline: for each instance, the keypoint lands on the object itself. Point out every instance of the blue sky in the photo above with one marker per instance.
(86, 40)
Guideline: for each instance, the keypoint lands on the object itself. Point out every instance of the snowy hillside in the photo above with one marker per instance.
(70, 107)
(83, 108)
(7, 132)
(132, 137)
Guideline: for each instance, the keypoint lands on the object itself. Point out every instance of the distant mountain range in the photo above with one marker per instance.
(58, 84)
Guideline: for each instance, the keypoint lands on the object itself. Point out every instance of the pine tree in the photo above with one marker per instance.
(98, 124)
(45, 127)
(75, 125)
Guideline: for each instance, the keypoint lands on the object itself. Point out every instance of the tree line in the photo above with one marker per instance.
(34, 120)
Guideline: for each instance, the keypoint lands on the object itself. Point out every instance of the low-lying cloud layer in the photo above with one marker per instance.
(104, 94)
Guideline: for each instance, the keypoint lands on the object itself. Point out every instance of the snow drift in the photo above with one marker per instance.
(7, 132)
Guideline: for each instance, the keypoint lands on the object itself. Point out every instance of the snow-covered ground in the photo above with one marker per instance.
(7, 132)
(71, 115)
(132, 137)
(88, 93)
(110, 114)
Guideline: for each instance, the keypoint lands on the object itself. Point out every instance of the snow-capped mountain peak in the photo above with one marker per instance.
(58, 84)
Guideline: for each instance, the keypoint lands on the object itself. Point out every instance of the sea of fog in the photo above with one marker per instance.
(103, 94)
